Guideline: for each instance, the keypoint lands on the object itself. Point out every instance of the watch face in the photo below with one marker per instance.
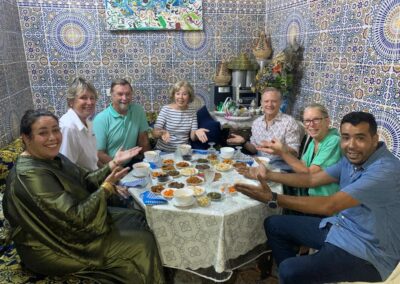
(272, 204)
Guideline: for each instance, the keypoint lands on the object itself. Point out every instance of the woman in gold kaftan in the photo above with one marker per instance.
(59, 217)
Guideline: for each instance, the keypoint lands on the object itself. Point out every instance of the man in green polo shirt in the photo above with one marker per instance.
(122, 124)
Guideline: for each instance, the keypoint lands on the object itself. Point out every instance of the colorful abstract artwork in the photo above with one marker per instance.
(154, 14)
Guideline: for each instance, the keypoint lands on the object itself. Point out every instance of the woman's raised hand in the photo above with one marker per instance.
(201, 134)
(117, 174)
(123, 156)
(110, 183)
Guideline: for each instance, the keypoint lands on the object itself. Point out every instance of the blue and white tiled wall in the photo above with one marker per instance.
(64, 39)
(15, 92)
(351, 56)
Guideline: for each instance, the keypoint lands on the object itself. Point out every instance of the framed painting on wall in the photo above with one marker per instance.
(154, 14)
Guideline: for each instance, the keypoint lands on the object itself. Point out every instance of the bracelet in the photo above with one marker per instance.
(108, 186)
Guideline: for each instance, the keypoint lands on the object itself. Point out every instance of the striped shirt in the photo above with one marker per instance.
(179, 124)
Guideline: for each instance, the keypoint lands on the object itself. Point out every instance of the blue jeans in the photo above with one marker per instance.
(330, 264)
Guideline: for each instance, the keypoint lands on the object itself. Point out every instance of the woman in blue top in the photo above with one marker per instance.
(323, 151)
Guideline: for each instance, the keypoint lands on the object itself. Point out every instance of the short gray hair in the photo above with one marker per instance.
(78, 86)
(121, 82)
(322, 109)
(272, 90)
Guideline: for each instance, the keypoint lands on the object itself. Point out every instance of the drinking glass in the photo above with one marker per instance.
(209, 175)
(238, 154)
(211, 150)
(177, 154)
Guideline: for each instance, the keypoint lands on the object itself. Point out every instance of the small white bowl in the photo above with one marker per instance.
(141, 169)
(227, 152)
(183, 196)
(151, 156)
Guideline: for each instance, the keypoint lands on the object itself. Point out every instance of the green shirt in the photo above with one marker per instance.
(113, 130)
(328, 154)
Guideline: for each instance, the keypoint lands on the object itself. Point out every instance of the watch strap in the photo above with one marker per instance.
(273, 203)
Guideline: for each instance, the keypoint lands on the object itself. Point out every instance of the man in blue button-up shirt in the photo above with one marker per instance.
(362, 241)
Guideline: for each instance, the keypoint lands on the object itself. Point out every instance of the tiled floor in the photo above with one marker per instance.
(246, 275)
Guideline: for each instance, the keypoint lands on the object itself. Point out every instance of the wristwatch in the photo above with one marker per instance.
(273, 203)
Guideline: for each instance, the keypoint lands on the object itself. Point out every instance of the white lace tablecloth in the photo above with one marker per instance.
(201, 237)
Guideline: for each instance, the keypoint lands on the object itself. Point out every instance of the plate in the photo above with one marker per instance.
(174, 173)
(156, 189)
(163, 178)
(138, 176)
(168, 168)
(183, 164)
(168, 162)
(202, 167)
(166, 193)
(214, 196)
(238, 118)
(173, 201)
(240, 165)
(201, 181)
(222, 167)
(189, 171)
(228, 161)
(197, 190)
(202, 161)
(176, 184)
(156, 173)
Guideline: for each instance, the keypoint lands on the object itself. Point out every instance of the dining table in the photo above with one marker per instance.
(209, 241)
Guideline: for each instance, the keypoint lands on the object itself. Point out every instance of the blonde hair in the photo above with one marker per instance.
(78, 86)
(181, 84)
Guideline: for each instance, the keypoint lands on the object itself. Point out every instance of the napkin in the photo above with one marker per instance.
(200, 151)
(149, 198)
(141, 182)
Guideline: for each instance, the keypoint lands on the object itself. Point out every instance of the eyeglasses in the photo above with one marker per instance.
(314, 121)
